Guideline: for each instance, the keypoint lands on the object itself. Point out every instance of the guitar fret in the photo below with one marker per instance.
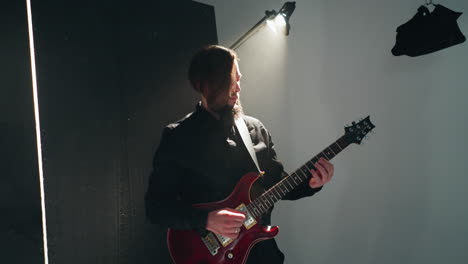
(305, 173)
(281, 184)
(292, 187)
(262, 206)
(279, 195)
(315, 160)
(340, 143)
(266, 201)
(294, 183)
(255, 209)
(329, 153)
(299, 179)
(280, 192)
(305, 170)
(273, 194)
(310, 165)
(254, 215)
(296, 177)
(268, 195)
(278, 189)
(335, 150)
(294, 180)
(324, 155)
(273, 198)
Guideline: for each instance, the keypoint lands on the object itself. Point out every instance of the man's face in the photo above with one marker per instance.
(227, 99)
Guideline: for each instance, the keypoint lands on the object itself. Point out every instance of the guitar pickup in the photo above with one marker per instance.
(249, 219)
(248, 223)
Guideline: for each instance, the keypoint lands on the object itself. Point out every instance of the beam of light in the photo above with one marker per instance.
(271, 25)
(263, 62)
(38, 130)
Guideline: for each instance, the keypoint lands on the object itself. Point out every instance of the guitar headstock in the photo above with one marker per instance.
(356, 132)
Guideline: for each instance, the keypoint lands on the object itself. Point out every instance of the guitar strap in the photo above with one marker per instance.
(244, 133)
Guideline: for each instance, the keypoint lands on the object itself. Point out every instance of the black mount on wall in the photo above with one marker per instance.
(428, 32)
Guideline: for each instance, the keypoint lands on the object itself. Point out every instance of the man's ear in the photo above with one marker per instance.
(197, 86)
(203, 87)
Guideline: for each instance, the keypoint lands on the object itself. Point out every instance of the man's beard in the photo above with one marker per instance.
(237, 109)
(226, 110)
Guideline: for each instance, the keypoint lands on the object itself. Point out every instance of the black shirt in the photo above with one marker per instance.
(200, 159)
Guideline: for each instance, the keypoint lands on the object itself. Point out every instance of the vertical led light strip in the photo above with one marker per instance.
(38, 129)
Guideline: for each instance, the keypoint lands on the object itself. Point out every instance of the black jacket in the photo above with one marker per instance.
(200, 159)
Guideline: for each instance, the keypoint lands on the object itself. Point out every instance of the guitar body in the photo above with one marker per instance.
(187, 246)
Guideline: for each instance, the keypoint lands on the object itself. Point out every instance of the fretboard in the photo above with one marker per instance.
(265, 201)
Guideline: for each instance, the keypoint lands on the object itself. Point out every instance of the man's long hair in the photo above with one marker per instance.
(213, 64)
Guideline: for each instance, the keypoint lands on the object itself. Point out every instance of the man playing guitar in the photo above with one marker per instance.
(201, 158)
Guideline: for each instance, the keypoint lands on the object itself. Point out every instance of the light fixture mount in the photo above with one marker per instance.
(286, 11)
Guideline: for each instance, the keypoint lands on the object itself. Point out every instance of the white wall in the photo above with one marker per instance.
(399, 198)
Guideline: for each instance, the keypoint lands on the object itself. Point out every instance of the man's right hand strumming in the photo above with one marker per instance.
(226, 222)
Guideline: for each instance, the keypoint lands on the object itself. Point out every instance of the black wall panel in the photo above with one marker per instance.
(111, 74)
(81, 109)
(20, 205)
(158, 93)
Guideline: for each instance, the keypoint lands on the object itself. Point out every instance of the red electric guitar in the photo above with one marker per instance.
(188, 247)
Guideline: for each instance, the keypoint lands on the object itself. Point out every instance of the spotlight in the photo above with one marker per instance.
(273, 19)
(278, 22)
(285, 13)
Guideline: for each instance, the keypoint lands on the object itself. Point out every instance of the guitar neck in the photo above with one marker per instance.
(288, 183)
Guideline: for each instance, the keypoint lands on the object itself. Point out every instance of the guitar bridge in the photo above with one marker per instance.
(211, 243)
(224, 240)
